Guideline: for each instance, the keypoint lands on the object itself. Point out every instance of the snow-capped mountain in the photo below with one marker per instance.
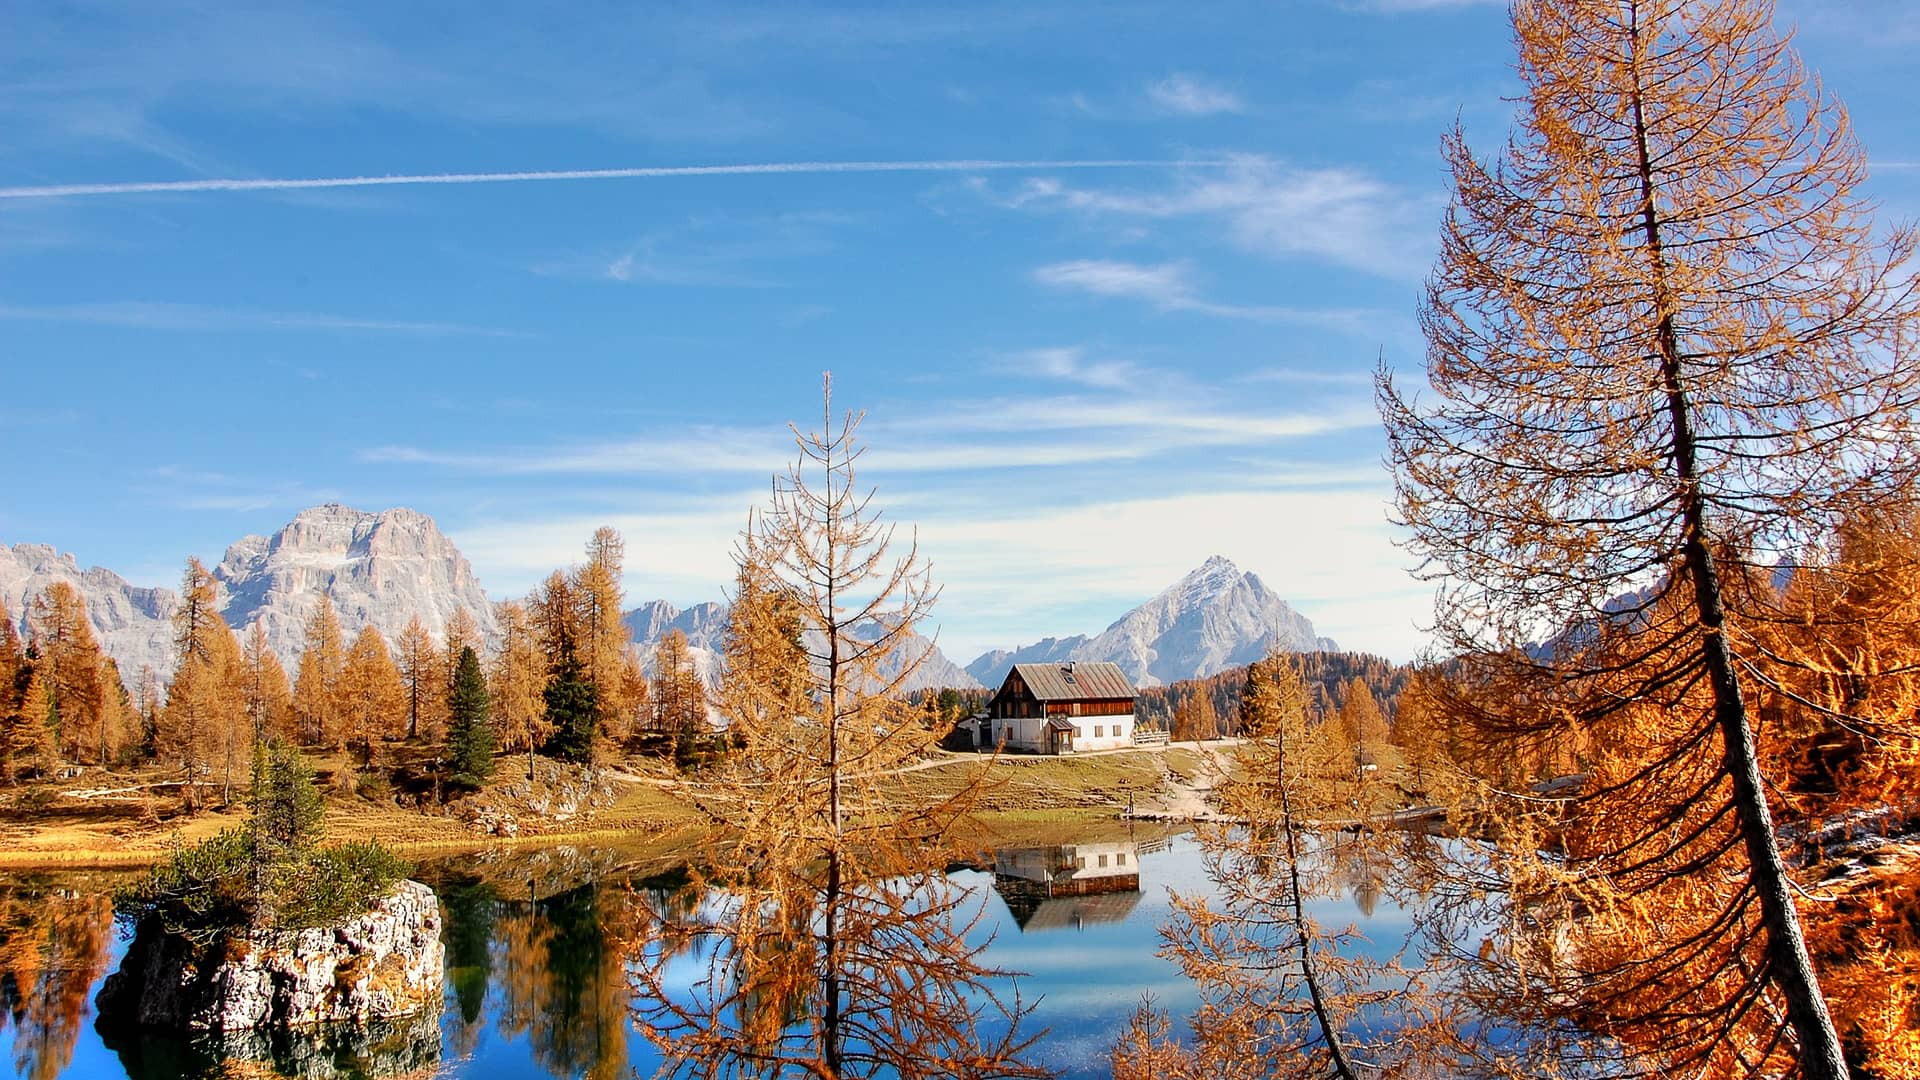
(1216, 617)
(134, 624)
(705, 626)
(378, 569)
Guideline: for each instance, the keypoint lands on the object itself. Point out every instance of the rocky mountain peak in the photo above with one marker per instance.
(379, 569)
(1215, 617)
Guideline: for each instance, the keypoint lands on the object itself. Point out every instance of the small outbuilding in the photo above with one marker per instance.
(1059, 708)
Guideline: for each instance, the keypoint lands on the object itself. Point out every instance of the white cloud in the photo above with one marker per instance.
(1169, 287)
(1189, 95)
(1398, 6)
(1338, 215)
(155, 315)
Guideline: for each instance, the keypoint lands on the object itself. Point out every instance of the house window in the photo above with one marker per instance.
(1098, 731)
(1103, 860)
(1076, 733)
(1120, 859)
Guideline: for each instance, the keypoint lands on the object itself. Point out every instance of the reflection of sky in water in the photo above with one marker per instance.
(1083, 978)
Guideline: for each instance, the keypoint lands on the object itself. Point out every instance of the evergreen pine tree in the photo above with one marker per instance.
(572, 709)
(287, 810)
(469, 733)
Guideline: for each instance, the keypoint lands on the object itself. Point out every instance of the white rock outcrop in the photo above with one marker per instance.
(385, 964)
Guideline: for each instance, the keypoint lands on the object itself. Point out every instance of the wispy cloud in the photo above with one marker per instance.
(156, 315)
(233, 184)
(1397, 6)
(1341, 216)
(1189, 95)
(710, 249)
(1069, 363)
(1170, 287)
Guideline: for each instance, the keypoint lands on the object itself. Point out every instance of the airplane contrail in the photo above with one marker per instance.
(67, 191)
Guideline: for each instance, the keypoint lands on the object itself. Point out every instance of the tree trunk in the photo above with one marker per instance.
(1789, 965)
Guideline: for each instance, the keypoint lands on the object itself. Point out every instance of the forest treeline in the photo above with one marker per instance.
(1209, 707)
(563, 679)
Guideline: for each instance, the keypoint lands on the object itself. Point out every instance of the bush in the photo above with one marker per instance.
(206, 893)
(339, 882)
(373, 786)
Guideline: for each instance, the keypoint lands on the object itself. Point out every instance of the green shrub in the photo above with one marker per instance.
(339, 882)
(203, 893)
(373, 786)
(207, 892)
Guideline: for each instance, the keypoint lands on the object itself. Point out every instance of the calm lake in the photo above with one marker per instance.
(535, 990)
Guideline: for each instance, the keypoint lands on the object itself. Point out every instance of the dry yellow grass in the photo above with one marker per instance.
(122, 819)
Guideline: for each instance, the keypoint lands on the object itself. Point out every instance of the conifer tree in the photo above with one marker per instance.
(604, 637)
(71, 669)
(1666, 347)
(469, 732)
(318, 697)
(516, 683)
(375, 700)
(149, 706)
(420, 673)
(16, 672)
(268, 700)
(572, 708)
(462, 632)
(288, 812)
(845, 921)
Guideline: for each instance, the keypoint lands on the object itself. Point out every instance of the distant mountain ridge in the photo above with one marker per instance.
(1216, 617)
(382, 569)
(134, 623)
(705, 626)
(379, 569)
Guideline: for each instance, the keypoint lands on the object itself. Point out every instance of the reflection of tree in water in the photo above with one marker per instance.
(856, 969)
(560, 984)
(469, 909)
(53, 945)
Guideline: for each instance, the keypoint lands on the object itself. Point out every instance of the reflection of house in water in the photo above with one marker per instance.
(1049, 888)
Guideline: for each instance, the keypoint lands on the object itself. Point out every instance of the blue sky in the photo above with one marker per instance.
(1081, 379)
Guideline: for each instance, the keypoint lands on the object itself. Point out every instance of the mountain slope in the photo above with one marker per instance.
(705, 626)
(1214, 618)
(134, 624)
(378, 569)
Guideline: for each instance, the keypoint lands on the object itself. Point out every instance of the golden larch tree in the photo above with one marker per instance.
(205, 711)
(604, 636)
(837, 952)
(318, 702)
(373, 694)
(1281, 995)
(268, 698)
(1665, 345)
(421, 674)
(73, 674)
(676, 696)
(517, 676)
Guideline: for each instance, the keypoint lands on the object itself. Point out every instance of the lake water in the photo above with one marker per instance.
(535, 989)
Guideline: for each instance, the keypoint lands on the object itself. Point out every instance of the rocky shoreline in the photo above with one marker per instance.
(383, 965)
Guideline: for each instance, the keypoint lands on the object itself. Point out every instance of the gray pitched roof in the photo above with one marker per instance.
(1083, 680)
